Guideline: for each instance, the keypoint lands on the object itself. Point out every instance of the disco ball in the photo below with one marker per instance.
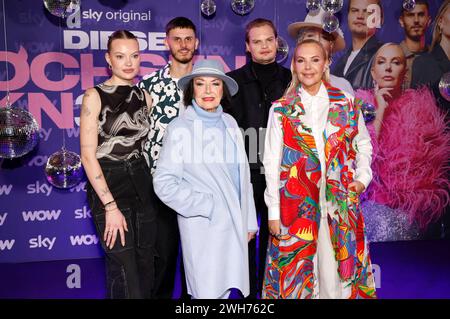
(444, 86)
(313, 5)
(208, 7)
(60, 8)
(330, 23)
(409, 5)
(19, 132)
(283, 50)
(369, 112)
(63, 169)
(242, 7)
(332, 6)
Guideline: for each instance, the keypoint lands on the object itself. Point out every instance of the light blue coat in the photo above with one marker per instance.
(213, 222)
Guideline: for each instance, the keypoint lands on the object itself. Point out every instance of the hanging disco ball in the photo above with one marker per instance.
(283, 50)
(313, 5)
(369, 112)
(63, 169)
(208, 7)
(330, 23)
(444, 86)
(242, 7)
(19, 132)
(60, 8)
(409, 5)
(332, 6)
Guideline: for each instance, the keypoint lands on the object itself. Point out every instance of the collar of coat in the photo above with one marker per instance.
(293, 108)
(250, 76)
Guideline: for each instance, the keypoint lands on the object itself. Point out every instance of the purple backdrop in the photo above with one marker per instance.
(52, 63)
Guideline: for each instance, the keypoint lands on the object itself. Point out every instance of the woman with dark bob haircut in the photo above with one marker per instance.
(203, 174)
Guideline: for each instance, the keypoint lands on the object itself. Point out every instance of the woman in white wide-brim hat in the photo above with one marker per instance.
(203, 174)
(312, 28)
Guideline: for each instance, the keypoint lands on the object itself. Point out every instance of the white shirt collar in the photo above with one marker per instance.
(322, 93)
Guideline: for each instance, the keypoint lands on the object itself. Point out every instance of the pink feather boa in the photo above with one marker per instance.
(410, 156)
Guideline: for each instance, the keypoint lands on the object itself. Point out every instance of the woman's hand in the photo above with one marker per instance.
(115, 222)
(275, 228)
(381, 96)
(250, 235)
(356, 186)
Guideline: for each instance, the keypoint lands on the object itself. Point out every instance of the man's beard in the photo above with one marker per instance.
(184, 59)
(415, 36)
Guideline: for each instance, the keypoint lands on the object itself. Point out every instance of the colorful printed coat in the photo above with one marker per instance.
(290, 261)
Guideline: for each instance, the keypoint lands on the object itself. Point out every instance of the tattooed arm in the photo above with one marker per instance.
(90, 110)
(115, 221)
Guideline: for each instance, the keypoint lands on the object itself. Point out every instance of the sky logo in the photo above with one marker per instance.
(5, 189)
(7, 244)
(38, 188)
(42, 242)
(85, 240)
(3, 218)
(41, 215)
(81, 213)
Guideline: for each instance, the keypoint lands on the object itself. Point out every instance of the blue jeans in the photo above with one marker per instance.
(130, 269)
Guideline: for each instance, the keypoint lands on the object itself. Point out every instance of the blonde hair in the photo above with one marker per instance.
(437, 32)
(384, 46)
(295, 82)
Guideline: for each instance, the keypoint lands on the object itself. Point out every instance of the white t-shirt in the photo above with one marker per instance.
(350, 59)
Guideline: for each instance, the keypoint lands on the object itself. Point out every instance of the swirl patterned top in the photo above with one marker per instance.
(123, 122)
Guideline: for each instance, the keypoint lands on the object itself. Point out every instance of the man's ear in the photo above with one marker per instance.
(166, 43)
(400, 21)
(196, 43)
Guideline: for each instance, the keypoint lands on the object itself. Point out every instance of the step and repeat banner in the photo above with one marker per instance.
(52, 61)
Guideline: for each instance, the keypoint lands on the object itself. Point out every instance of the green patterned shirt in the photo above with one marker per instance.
(167, 102)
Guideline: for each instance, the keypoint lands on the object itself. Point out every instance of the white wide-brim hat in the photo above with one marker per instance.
(209, 68)
(314, 20)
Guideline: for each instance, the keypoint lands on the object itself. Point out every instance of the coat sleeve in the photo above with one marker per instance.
(363, 146)
(169, 182)
(273, 148)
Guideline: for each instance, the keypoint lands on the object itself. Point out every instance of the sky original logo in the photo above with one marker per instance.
(41, 215)
(42, 242)
(5, 189)
(7, 244)
(38, 188)
(83, 240)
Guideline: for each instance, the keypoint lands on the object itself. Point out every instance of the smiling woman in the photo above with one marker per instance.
(205, 177)
(317, 161)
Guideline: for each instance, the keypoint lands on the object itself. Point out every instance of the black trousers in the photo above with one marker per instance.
(257, 248)
(130, 270)
(168, 247)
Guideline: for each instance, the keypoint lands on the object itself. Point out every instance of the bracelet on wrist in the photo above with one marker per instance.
(109, 203)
